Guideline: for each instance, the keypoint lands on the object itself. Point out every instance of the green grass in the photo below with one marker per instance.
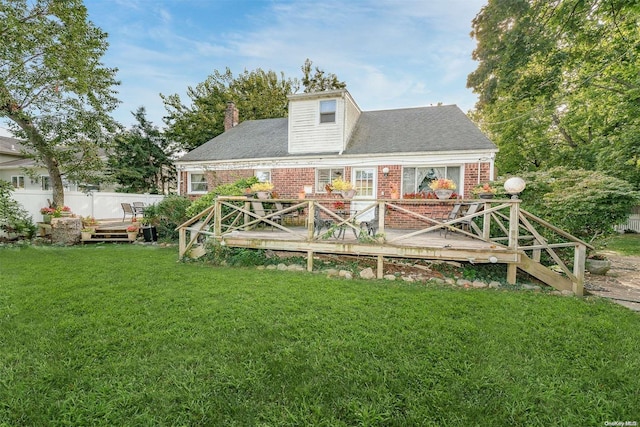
(125, 335)
(624, 244)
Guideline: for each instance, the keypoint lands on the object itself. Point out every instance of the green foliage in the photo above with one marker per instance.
(318, 81)
(239, 257)
(558, 84)
(140, 160)
(13, 218)
(585, 204)
(625, 244)
(169, 343)
(236, 188)
(257, 94)
(54, 89)
(168, 214)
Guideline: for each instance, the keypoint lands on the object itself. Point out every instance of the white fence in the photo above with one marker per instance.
(97, 204)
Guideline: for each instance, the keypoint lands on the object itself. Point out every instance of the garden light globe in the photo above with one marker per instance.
(514, 186)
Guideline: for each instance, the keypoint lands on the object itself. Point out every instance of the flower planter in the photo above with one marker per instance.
(347, 194)
(86, 235)
(262, 194)
(486, 195)
(443, 194)
(132, 235)
(46, 219)
(598, 266)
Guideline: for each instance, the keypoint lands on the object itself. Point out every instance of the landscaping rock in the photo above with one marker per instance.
(367, 273)
(567, 293)
(295, 267)
(408, 279)
(271, 267)
(494, 285)
(534, 288)
(389, 277)
(282, 267)
(345, 274)
(478, 284)
(463, 283)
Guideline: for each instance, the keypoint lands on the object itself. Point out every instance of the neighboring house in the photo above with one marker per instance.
(327, 136)
(14, 164)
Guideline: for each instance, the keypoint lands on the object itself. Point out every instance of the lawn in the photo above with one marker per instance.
(125, 335)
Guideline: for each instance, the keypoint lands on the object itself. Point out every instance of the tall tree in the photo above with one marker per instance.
(257, 94)
(558, 83)
(319, 81)
(141, 158)
(53, 88)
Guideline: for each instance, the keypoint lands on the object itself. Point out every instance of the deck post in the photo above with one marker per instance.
(182, 242)
(217, 223)
(514, 221)
(381, 219)
(486, 222)
(380, 267)
(579, 257)
(309, 261)
(310, 220)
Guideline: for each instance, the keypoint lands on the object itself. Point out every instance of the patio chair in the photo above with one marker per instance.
(259, 210)
(371, 225)
(455, 213)
(467, 223)
(319, 223)
(127, 209)
(138, 207)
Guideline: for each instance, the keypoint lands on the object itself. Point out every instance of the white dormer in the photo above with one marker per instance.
(321, 122)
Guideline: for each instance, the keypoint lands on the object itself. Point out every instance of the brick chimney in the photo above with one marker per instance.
(230, 116)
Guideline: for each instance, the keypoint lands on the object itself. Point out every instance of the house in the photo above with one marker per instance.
(327, 136)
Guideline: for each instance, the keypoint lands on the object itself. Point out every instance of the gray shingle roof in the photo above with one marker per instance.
(409, 130)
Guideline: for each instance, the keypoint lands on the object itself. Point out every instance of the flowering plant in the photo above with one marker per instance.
(47, 211)
(338, 205)
(339, 184)
(132, 229)
(262, 186)
(65, 209)
(484, 188)
(442, 184)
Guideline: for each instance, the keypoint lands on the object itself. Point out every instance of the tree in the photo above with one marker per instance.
(54, 90)
(257, 94)
(140, 160)
(319, 82)
(557, 84)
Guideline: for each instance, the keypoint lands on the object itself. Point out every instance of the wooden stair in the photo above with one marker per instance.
(113, 234)
(548, 276)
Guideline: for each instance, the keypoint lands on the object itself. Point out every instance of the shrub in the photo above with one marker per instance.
(13, 218)
(584, 203)
(168, 214)
(234, 189)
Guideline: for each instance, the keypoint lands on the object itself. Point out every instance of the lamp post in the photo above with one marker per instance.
(514, 186)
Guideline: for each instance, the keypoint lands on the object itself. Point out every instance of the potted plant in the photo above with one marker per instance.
(132, 232)
(47, 213)
(64, 211)
(149, 231)
(86, 233)
(597, 264)
(484, 191)
(262, 189)
(345, 188)
(443, 187)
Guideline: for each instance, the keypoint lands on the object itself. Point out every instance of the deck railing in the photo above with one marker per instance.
(500, 222)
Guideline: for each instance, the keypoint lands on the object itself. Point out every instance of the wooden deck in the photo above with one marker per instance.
(498, 232)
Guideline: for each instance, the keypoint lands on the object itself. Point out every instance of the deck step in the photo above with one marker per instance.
(546, 275)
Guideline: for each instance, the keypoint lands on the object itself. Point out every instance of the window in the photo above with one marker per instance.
(263, 175)
(364, 182)
(46, 182)
(325, 176)
(197, 183)
(17, 181)
(328, 111)
(415, 180)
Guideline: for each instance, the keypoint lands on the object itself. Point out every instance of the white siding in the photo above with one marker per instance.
(307, 134)
(352, 113)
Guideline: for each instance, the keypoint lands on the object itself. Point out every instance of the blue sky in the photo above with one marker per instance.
(390, 53)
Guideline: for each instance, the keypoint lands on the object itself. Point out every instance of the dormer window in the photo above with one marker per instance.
(328, 111)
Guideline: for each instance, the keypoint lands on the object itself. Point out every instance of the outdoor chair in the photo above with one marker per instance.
(127, 209)
(319, 223)
(455, 213)
(258, 209)
(280, 208)
(467, 223)
(371, 225)
(138, 208)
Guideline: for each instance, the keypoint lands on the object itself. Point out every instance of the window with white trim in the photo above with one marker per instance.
(197, 182)
(328, 111)
(415, 180)
(324, 177)
(263, 175)
(17, 181)
(45, 182)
